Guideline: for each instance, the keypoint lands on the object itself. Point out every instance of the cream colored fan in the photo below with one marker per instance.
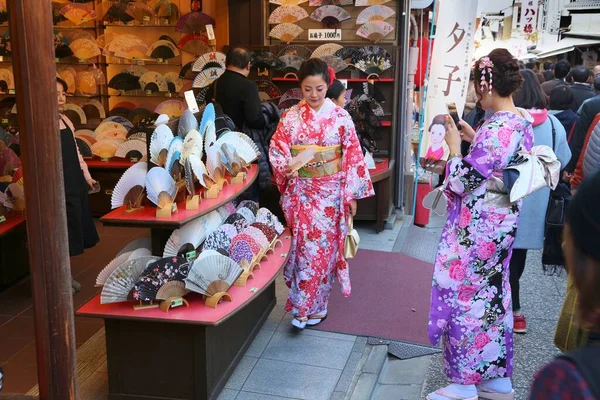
(144, 242)
(328, 49)
(364, 3)
(135, 147)
(68, 74)
(154, 81)
(85, 49)
(209, 59)
(162, 119)
(214, 163)
(110, 126)
(287, 14)
(169, 46)
(171, 289)
(375, 13)
(375, 30)
(123, 279)
(212, 276)
(160, 187)
(159, 144)
(174, 79)
(134, 51)
(85, 132)
(97, 105)
(288, 2)
(247, 152)
(7, 76)
(106, 148)
(200, 171)
(121, 259)
(76, 109)
(185, 239)
(207, 77)
(192, 145)
(286, 32)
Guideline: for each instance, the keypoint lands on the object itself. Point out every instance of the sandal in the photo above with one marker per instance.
(300, 322)
(316, 319)
(450, 396)
(488, 395)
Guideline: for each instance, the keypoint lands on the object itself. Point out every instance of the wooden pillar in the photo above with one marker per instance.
(35, 77)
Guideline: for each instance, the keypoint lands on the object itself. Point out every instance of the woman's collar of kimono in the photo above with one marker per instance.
(327, 107)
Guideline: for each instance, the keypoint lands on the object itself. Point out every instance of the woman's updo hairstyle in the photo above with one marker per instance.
(505, 77)
(315, 67)
(335, 90)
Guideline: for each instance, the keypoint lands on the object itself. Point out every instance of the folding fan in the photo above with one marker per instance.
(194, 43)
(186, 71)
(121, 281)
(373, 60)
(119, 259)
(287, 2)
(61, 46)
(296, 50)
(328, 49)
(132, 149)
(160, 187)
(258, 236)
(71, 110)
(173, 154)
(267, 90)
(208, 116)
(85, 49)
(144, 242)
(124, 81)
(248, 215)
(187, 123)
(162, 9)
(200, 171)
(268, 231)
(86, 82)
(162, 49)
(214, 163)
(140, 11)
(157, 275)
(87, 135)
(290, 63)
(375, 13)
(159, 144)
(212, 57)
(238, 221)
(265, 59)
(93, 108)
(217, 240)
(232, 161)
(84, 148)
(172, 108)
(206, 77)
(154, 82)
(317, 3)
(133, 51)
(142, 116)
(124, 122)
(336, 63)
(244, 146)
(212, 274)
(286, 32)
(116, 12)
(130, 188)
(292, 94)
(174, 82)
(241, 251)
(192, 145)
(243, 237)
(5, 44)
(375, 30)
(348, 54)
(110, 130)
(364, 3)
(68, 75)
(226, 210)
(187, 238)
(288, 14)
(194, 22)
(250, 205)
(330, 16)
(264, 215)
(106, 148)
(78, 13)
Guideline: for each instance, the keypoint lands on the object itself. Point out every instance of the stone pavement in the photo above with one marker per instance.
(284, 364)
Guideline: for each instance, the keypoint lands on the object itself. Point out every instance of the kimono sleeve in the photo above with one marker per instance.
(280, 153)
(358, 183)
(488, 153)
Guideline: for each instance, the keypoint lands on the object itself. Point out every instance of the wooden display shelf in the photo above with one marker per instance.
(98, 163)
(189, 352)
(281, 79)
(378, 208)
(147, 216)
(12, 221)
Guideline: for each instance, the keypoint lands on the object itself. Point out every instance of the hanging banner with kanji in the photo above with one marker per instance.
(529, 11)
(450, 68)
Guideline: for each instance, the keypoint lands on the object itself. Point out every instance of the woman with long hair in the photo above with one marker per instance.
(470, 303)
(320, 197)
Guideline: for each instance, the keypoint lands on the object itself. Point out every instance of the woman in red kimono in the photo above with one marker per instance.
(320, 197)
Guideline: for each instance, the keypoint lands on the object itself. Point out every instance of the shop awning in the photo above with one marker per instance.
(564, 46)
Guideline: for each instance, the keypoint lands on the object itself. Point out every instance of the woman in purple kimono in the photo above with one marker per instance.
(471, 309)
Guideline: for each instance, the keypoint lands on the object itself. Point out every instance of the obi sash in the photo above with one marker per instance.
(327, 161)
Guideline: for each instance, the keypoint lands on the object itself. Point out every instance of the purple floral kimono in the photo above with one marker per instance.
(471, 306)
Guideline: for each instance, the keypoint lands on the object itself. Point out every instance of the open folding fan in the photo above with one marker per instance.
(264, 215)
(129, 191)
(154, 82)
(106, 148)
(119, 285)
(290, 98)
(248, 215)
(194, 43)
(124, 122)
(187, 238)
(128, 253)
(238, 221)
(217, 240)
(206, 77)
(5, 45)
(86, 82)
(330, 16)
(328, 49)
(267, 230)
(296, 50)
(75, 113)
(173, 155)
(162, 49)
(250, 205)
(258, 236)
(375, 30)
(375, 13)
(348, 54)
(267, 90)
(364, 3)
(187, 123)
(174, 82)
(110, 130)
(133, 149)
(115, 11)
(214, 58)
(158, 275)
(186, 71)
(160, 187)
(231, 159)
(290, 63)
(192, 145)
(93, 109)
(212, 274)
(159, 144)
(373, 60)
(335, 62)
(68, 74)
(61, 46)
(124, 81)
(85, 49)
(289, 14)
(78, 13)
(287, 2)
(144, 242)
(286, 32)
(163, 9)
(317, 3)
(140, 11)
(142, 116)
(226, 210)
(194, 22)
(172, 108)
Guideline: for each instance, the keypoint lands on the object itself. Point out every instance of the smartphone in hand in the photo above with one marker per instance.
(453, 113)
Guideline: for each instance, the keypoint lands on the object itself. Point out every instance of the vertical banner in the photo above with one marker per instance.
(529, 11)
(449, 74)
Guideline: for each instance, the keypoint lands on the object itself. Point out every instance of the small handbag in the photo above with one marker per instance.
(352, 240)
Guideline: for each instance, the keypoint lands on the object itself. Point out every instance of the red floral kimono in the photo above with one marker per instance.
(316, 209)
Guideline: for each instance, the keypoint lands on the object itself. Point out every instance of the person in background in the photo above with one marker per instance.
(548, 71)
(236, 94)
(582, 89)
(337, 93)
(494, 27)
(596, 85)
(530, 234)
(561, 70)
(470, 299)
(81, 229)
(560, 102)
(596, 70)
(588, 112)
(532, 66)
(576, 374)
(320, 197)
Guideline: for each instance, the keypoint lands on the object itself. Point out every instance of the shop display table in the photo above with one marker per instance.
(378, 207)
(107, 173)
(14, 256)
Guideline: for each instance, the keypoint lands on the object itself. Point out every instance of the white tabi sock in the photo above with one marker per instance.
(464, 391)
(498, 385)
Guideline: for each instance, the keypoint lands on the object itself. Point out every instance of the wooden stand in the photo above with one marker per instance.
(243, 279)
(142, 306)
(215, 299)
(212, 193)
(239, 179)
(167, 304)
(192, 203)
(164, 212)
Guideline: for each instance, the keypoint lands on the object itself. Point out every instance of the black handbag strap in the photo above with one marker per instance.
(553, 134)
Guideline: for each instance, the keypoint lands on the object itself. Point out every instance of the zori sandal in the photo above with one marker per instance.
(450, 396)
(299, 322)
(316, 319)
(487, 395)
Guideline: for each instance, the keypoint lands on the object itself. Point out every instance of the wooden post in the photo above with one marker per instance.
(35, 77)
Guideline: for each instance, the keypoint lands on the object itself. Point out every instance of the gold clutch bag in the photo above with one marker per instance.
(352, 241)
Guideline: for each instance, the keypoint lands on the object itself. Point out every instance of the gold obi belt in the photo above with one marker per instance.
(327, 161)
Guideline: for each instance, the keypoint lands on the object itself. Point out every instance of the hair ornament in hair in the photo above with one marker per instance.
(331, 75)
(485, 66)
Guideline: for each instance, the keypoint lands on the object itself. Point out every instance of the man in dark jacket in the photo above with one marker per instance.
(588, 113)
(582, 90)
(561, 70)
(236, 94)
(548, 74)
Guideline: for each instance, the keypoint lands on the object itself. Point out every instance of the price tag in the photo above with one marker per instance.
(210, 32)
(160, 60)
(148, 92)
(146, 18)
(57, 60)
(166, 22)
(104, 159)
(140, 62)
(190, 99)
(168, 94)
(2, 218)
(2, 58)
(11, 91)
(84, 20)
(122, 92)
(174, 207)
(254, 290)
(5, 121)
(105, 23)
(133, 159)
(324, 35)
(81, 61)
(177, 302)
(130, 23)
(190, 255)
